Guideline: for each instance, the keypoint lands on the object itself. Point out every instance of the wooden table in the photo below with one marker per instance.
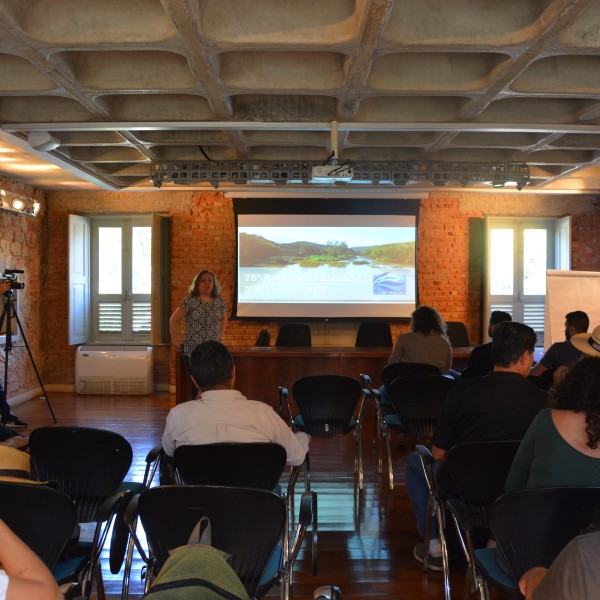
(259, 373)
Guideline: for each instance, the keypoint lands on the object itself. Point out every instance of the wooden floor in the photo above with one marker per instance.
(366, 538)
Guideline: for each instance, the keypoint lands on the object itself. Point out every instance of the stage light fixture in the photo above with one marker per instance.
(17, 203)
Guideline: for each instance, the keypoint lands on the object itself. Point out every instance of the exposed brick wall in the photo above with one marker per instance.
(22, 246)
(203, 235)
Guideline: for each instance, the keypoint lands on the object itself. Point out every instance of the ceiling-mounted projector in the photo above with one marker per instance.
(332, 174)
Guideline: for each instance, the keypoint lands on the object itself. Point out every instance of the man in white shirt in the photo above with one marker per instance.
(222, 414)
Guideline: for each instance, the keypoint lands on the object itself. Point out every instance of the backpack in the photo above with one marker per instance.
(197, 571)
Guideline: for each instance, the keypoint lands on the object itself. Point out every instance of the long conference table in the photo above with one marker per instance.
(260, 372)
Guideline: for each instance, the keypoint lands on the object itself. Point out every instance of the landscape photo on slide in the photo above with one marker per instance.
(333, 264)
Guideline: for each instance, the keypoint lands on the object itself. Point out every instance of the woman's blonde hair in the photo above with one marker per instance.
(193, 289)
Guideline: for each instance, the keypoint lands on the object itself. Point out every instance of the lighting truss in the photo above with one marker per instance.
(366, 173)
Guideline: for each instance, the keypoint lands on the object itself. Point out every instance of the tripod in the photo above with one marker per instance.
(8, 312)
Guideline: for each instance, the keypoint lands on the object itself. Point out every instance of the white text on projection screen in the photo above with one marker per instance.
(326, 266)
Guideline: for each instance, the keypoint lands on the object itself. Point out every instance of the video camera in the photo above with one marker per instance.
(10, 275)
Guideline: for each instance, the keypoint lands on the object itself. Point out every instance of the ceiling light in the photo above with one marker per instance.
(17, 203)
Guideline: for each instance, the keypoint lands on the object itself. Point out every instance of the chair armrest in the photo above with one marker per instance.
(111, 504)
(307, 517)
(153, 459)
(365, 381)
(130, 519)
(284, 399)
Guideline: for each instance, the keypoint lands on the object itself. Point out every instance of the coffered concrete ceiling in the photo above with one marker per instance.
(119, 84)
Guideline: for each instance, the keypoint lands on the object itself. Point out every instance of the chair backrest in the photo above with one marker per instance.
(264, 339)
(532, 526)
(44, 518)
(327, 403)
(478, 472)
(251, 465)
(87, 464)
(457, 334)
(246, 523)
(294, 334)
(406, 369)
(418, 401)
(474, 371)
(374, 334)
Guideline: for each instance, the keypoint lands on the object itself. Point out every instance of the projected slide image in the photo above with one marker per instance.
(326, 264)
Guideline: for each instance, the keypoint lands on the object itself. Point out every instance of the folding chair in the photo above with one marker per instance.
(249, 524)
(531, 527)
(329, 406)
(88, 465)
(417, 401)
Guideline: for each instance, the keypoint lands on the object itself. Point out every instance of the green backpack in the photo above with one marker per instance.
(198, 571)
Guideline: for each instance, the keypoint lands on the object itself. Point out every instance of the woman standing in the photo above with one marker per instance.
(204, 314)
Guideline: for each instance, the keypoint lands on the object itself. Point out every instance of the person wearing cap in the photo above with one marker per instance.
(564, 354)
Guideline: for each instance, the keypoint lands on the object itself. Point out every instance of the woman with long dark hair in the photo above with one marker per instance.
(427, 341)
(562, 445)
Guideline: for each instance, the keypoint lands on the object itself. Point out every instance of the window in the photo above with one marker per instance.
(119, 279)
(121, 269)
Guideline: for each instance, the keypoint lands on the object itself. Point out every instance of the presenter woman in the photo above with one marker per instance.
(204, 314)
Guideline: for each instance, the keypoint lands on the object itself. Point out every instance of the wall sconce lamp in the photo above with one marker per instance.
(17, 203)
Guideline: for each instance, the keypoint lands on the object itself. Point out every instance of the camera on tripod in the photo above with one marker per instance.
(11, 275)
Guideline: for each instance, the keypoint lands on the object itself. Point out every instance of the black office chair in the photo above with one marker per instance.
(256, 465)
(44, 518)
(294, 334)
(457, 334)
(329, 406)
(264, 339)
(531, 527)
(435, 510)
(474, 371)
(88, 465)
(474, 477)
(417, 401)
(249, 524)
(373, 334)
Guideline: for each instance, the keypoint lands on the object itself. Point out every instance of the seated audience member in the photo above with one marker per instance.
(222, 414)
(574, 573)
(481, 356)
(561, 447)
(498, 406)
(23, 576)
(427, 341)
(564, 354)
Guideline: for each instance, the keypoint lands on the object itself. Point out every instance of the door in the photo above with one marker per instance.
(520, 251)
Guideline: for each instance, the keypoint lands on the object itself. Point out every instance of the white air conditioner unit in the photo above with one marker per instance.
(119, 370)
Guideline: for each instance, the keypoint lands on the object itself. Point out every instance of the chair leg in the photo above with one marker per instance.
(445, 565)
(379, 425)
(389, 457)
(127, 569)
(358, 462)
